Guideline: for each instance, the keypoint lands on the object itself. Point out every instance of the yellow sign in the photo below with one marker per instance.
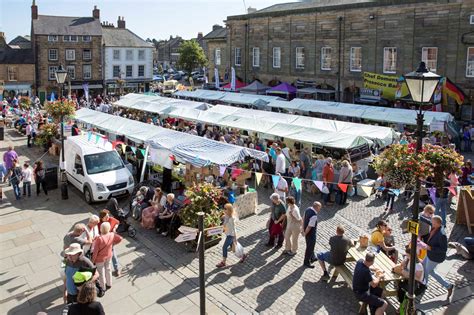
(391, 88)
(413, 227)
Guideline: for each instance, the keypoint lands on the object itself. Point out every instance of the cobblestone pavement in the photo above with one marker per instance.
(160, 274)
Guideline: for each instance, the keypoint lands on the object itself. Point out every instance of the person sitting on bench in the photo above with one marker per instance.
(164, 219)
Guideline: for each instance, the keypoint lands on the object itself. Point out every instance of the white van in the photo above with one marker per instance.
(96, 170)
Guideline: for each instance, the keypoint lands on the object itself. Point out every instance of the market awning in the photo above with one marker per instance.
(91, 86)
(187, 148)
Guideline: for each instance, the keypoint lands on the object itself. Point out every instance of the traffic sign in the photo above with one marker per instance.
(187, 229)
(413, 227)
(185, 237)
(215, 231)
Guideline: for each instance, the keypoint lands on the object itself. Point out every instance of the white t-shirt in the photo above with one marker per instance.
(94, 232)
(26, 173)
(282, 185)
(280, 165)
(229, 226)
(313, 220)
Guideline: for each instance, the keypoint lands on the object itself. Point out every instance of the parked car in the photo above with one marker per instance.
(177, 76)
(158, 78)
(199, 78)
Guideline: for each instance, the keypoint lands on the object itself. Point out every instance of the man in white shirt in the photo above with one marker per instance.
(282, 188)
(280, 165)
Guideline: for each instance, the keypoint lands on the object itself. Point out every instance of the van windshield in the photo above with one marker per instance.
(103, 162)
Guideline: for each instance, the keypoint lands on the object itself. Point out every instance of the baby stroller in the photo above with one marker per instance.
(121, 215)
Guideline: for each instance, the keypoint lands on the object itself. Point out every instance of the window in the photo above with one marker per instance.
(129, 71)
(389, 60)
(326, 58)
(70, 54)
(116, 71)
(12, 74)
(52, 73)
(299, 57)
(141, 55)
(52, 38)
(129, 54)
(86, 38)
(70, 38)
(238, 57)
(470, 62)
(217, 57)
(429, 55)
(356, 59)
(87, 71)
(71, 72)
(53, 54)
(471, 19)
(256, 57)
(87, 54)
(276, 57)
(141, 70)
(116, 54)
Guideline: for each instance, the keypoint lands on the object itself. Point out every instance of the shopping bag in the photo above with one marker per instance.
(239, 251)
(351, 191)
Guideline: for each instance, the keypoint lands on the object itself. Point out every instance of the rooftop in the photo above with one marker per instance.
(219, 33)
(23, 42)
(9, 55)
(122, 37)
(66, 25)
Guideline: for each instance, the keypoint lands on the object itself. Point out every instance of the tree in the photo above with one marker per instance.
(191, 56)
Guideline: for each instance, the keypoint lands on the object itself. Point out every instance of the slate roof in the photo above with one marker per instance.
(122, 37)
(16, 56)
(21, 41)
(308, 4)
(217, 34)
(66, 25)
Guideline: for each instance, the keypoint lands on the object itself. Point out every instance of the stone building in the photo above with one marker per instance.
(216, 51)
(334, 42)
(73, 42)
(127, 57)
(167, 52)
(23, 42)
(17, 69)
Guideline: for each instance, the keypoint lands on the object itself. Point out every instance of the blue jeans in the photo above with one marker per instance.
(229, 240)
(114, 260)
(16, 189)
(440, 209)
(467, 145)
(429, 267)
(27, 187)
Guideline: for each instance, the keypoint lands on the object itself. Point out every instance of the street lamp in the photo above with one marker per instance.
(421, 84)
(61, 75)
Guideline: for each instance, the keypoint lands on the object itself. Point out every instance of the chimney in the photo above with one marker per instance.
(3, 43)
(216, 27)
(251, 10)
(121, 22)
(34, 11)
(96, 13)
(199, 36)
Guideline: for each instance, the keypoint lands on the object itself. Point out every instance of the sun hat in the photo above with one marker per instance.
(81, 277)
(73, 249)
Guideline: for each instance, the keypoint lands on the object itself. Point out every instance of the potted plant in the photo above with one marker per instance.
(60, 109)
(47, 133)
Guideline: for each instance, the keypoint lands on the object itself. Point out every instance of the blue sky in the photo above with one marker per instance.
(148, 18)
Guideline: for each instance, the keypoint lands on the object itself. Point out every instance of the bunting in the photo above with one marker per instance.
(89, 136)
(343, 187)
(468, 190)
(297, 183)
(258, 177)
(222, 170)
(134, 150)
(97, 137)
(275, 180)
(432, 192)
(143, 151)
(319, 184)
(366, 189)
(453, 190)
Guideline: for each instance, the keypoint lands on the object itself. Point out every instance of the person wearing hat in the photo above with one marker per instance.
(276, 221)
(75, 261)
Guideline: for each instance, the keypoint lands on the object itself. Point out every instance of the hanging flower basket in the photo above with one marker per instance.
(47, 134)
(202, 197)
(25, 103)
(401, 166)
(61, 108)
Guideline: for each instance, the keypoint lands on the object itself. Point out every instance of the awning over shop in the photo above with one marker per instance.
(187, 148)
(91, 86)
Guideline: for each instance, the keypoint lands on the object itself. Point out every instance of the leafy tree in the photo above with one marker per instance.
(191, 56)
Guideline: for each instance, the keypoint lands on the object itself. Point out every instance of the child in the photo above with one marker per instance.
(26, 178)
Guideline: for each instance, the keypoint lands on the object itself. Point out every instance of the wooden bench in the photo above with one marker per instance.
(346, 273)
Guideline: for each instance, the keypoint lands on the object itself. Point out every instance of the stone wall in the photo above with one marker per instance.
(212, 45)
(25, 73)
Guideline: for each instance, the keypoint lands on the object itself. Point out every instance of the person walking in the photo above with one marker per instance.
(276, 221)
(310, 224)
(328, 179)
(26, 175)
(230, 234)
(437, 246)
(9, 157)
(293, 226)
(345, 177)
(441, 204)
(39, 174)
(28, 132)
(102, 254)
(105, 216)
(15, 179)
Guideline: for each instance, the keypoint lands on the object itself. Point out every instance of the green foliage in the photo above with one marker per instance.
(47, 133)
(203, 197)
(191, 55)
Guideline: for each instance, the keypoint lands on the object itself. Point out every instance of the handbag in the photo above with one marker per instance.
(276, 229)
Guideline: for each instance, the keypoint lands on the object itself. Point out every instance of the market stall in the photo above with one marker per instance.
(256, 87)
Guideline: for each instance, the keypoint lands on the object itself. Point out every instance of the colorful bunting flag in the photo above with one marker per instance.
(105, 139)
(453, 191)
(97, 137)
(319, 184)
(275, 180)
(134, 150)
(395, 191)
(222, 170)
(343, 187)
(432, 192)
(143, 151)
(366, 189)
(258, 177)
(297, 183)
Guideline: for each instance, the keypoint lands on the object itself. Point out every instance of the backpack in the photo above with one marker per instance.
(16, 175)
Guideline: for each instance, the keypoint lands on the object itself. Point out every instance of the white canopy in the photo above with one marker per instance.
(156, 104)
(375, 113)
(187, 148)
(228, 97)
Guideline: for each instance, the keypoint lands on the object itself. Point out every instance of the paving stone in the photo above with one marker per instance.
(125, 306)
(28, 238)
(4, 228)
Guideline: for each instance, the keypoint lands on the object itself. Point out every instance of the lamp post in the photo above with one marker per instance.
(421, 85)
(61, 75)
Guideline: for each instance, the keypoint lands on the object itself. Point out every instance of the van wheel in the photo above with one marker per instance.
(87, 195)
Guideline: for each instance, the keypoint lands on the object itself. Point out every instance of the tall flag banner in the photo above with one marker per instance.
(222, 170)
(343, 187)
(452, 90)
(258, 177)
(319, 184)
(216, 78)
(297, 183)
(275, 180)
(366, 189)
(85, 86)
(232, 80)
(432, 192)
